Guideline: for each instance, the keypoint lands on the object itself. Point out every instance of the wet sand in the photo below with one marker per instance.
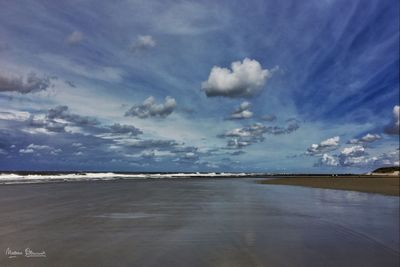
(385, 185)
(197, 222)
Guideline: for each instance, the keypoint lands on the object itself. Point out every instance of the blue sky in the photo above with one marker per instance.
(275, 86)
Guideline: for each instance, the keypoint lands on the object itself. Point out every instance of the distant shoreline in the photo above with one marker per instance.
(376, 182)
(384, 184)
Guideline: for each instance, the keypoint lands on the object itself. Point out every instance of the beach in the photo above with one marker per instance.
(386, 185)
(196, 222)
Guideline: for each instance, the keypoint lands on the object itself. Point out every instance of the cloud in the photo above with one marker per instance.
(32, 83)
(326, 145)
(327, 160)
(184, 149)
(368, 138)
(245, 79)
(150, 109)
(94, 143)
(58, 118)
(269, 118)
(143, 42)
(190, 156)
(95, 148)
(242, 112)
(50, 125)
(117, 128)
(77, 144)
(355, 161)
(238, 143)
(354, 155)
(245, 136)
(388, 159)
(349, 156)
(254, 130)
(238, 152)
(75, 38)
(394, 127)
(3, 151)
(14, 115)
(292, 125)
(187, 18)
(154, 144)
(80, 68)
(71, 84)
(32, 148)
(353, 151)
(62, 112)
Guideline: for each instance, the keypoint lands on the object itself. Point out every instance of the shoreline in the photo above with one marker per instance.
(384, 185)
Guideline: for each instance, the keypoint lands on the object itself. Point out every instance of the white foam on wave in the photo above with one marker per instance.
(11, 178)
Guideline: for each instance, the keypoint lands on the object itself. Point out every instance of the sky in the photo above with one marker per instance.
(213, 86)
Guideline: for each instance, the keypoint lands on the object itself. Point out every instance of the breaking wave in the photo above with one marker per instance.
(15, 178)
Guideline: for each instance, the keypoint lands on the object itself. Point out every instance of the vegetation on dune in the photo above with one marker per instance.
(387, 169)
(368, 184)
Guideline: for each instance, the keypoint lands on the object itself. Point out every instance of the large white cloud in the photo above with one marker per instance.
(244, 79)
(394, 127)
(149, 108)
